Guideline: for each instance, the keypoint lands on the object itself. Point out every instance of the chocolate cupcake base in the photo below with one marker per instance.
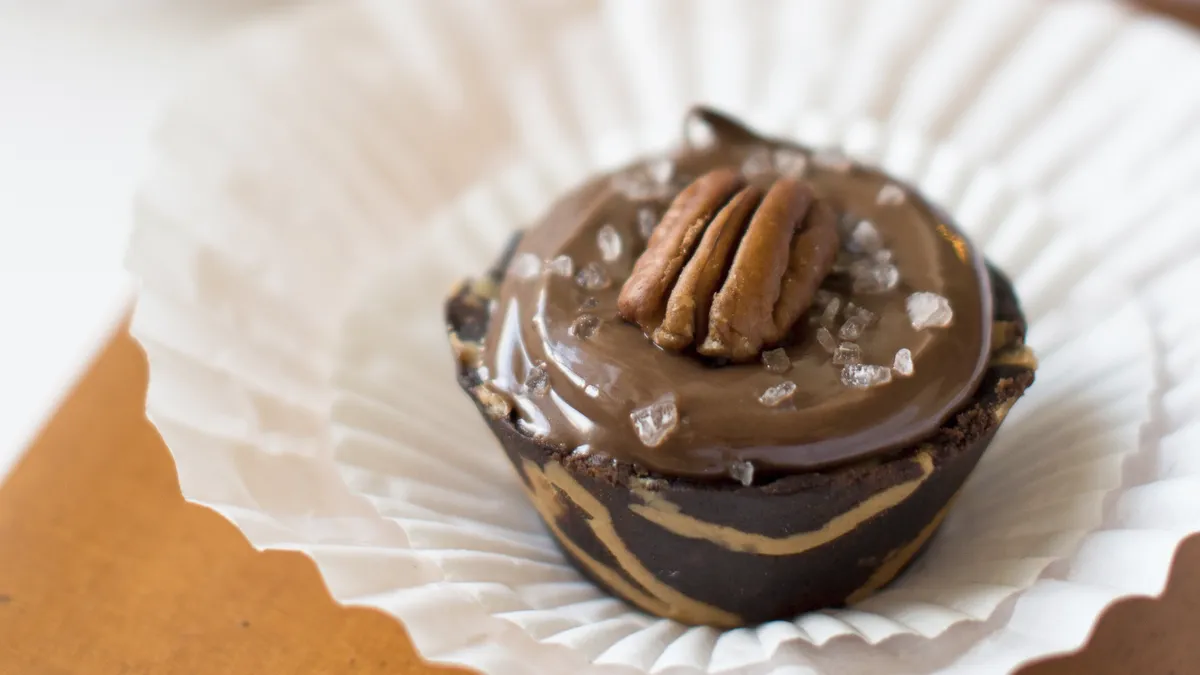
(725, 554)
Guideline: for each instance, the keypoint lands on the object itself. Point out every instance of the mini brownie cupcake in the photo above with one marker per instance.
(744, 380)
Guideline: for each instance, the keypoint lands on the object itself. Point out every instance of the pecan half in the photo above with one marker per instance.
(731, 268)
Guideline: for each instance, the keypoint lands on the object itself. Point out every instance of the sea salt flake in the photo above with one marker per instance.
(833, 159)
(823, 297)
(526, 266)
(582, 451)
(655, 422)
(825, 339)
(561, 266)
(592, 390)
(593, 277)
(609, 242)
(537, 382)
(758, 163)
(777, 394)
(584, 326)
(791, 162)
(742, 472)
(847, 353)
(891, 195)
(829, 316)
(861, 376)
(903, 364)
(647, 220)
(854, 328)
(876, 278)
(929, 310)
(865, 238)
(776, 361)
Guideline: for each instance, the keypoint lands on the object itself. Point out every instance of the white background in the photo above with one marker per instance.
(81, 86)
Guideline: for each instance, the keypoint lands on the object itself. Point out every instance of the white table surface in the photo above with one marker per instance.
(81, 85)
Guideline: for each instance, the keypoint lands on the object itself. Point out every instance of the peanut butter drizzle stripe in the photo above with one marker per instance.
(667, 515)
(1022, 357)
(897, 559)
(545, 486)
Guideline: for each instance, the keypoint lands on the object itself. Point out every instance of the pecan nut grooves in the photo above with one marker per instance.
(731, 267)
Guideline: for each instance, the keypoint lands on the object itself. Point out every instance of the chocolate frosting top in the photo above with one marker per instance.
(575, 382)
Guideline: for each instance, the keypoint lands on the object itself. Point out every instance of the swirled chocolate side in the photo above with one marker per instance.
(895, 341)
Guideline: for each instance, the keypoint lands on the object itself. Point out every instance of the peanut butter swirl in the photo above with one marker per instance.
(583, 378)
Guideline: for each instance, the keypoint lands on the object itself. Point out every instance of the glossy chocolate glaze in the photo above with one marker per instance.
(595, 382)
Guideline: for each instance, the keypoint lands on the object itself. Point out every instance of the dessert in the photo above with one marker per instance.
(743, 380)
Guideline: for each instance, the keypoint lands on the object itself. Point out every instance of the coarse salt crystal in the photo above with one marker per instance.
(854, 328)
(660, 171)
(826, 340)
(791, 162)
(876, 278)
(833, 159)
(829, 316)
(929, 310)
(758, 163)
(891, 195)
(847, 353)
(655, 422)
(903, 364)
(526, 266)
(609, 242)
(698, 134)
(776, 361)
(862, 376)
(777, 394)
(645, 183)
(593, 277)
(537, 382)
(853, 310)
(584, 326)
(647, 220)
(742, 472)
(561, 266)
(865, 237)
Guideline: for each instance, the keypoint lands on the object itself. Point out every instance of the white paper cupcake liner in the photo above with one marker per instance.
(334, 173)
